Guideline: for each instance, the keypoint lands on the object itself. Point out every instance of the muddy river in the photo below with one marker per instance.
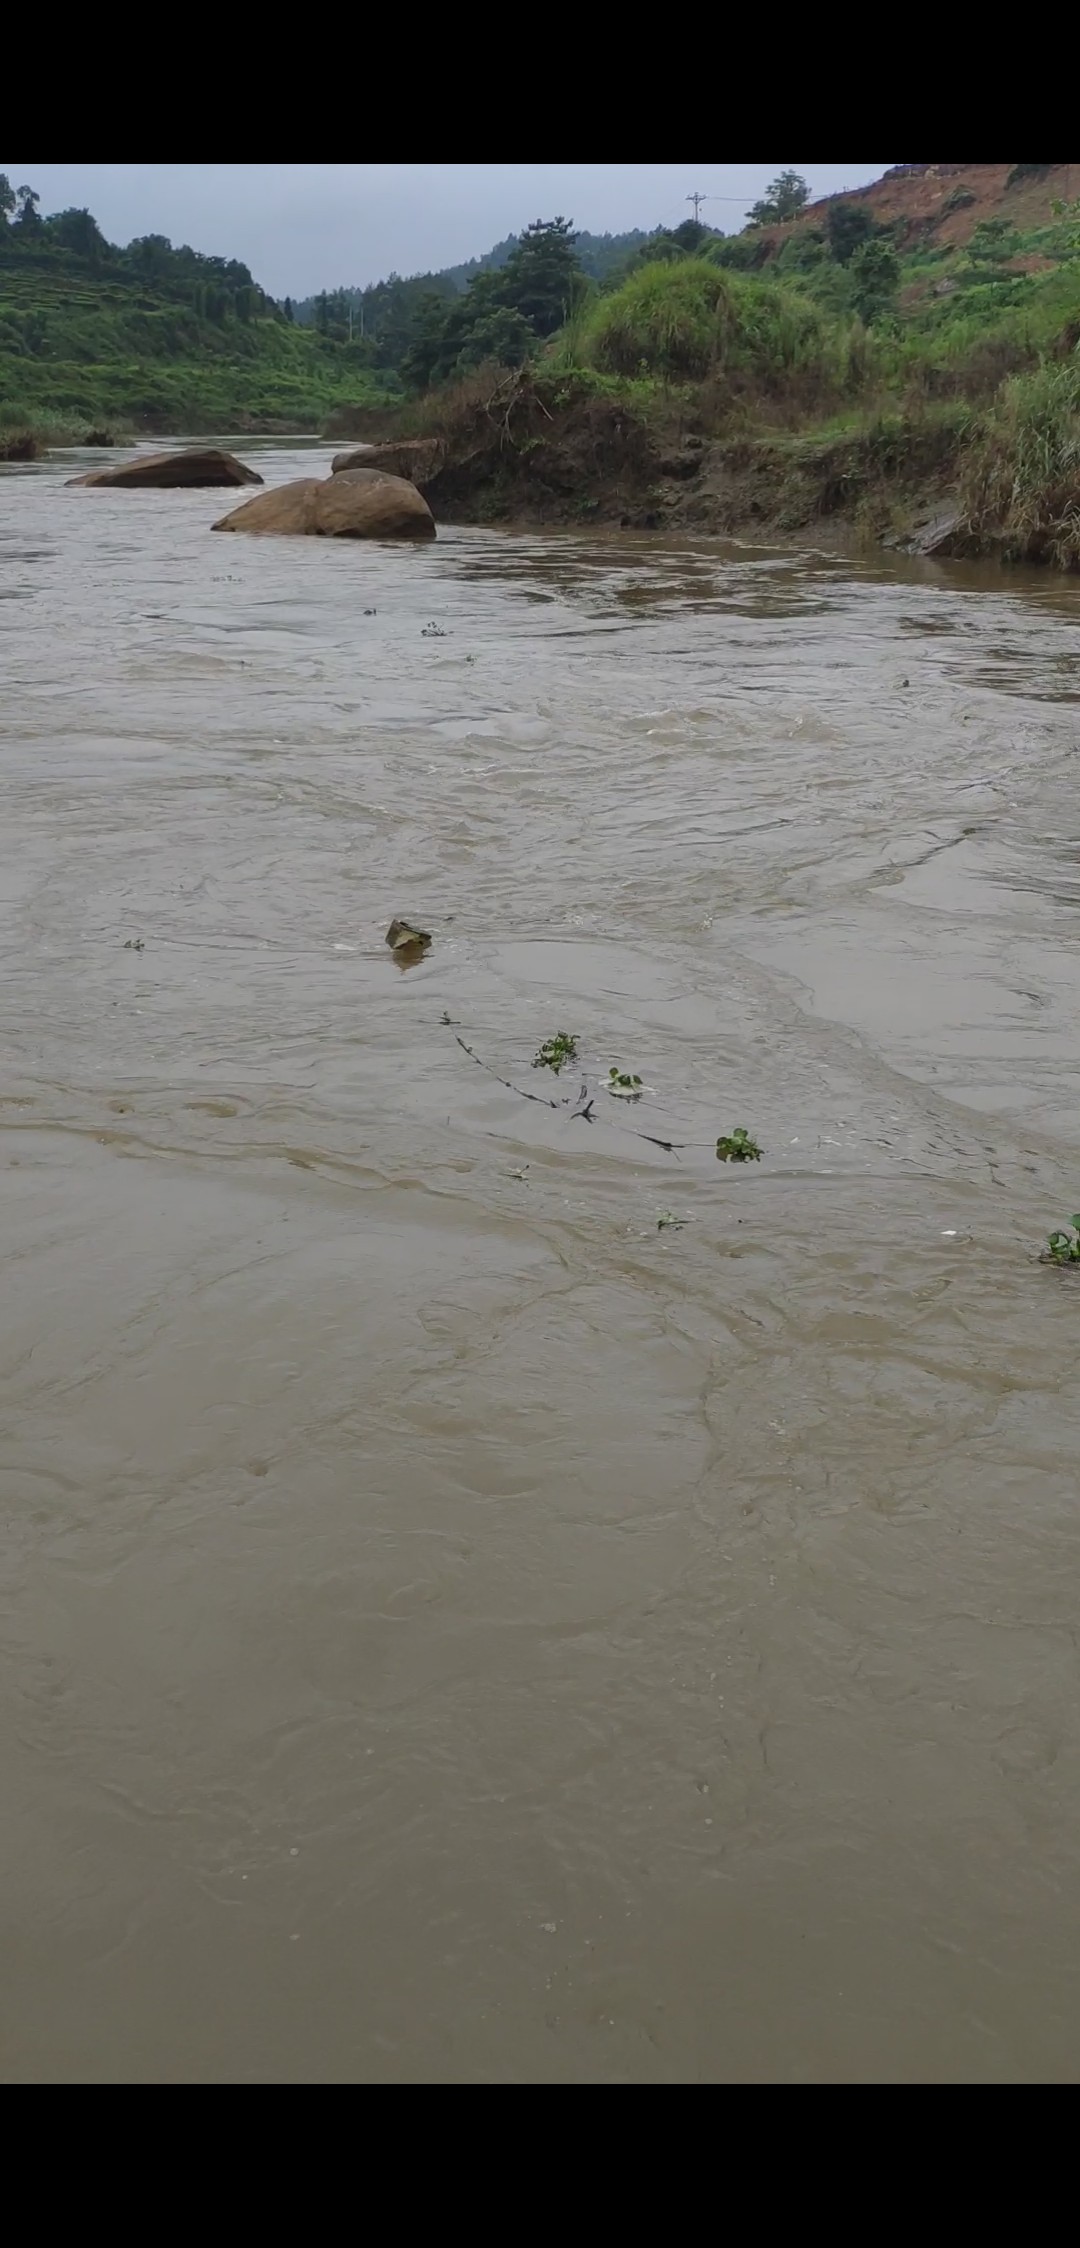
(488, 1597)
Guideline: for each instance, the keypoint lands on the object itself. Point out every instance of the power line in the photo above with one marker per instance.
(697, 201)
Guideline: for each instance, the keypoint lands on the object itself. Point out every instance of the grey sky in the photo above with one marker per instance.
(303, 227)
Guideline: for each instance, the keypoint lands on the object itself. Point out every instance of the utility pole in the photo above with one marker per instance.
(697, 201)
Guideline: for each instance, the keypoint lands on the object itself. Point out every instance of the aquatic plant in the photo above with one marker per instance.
(555, 1051)
(738, 1147)
(1063, 1247)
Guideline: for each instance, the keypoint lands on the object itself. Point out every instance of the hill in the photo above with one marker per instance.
(151, 336)
(944, 203)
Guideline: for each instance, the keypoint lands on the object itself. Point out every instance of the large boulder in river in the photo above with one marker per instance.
(360, 504)
(161, 472)
(416, 458)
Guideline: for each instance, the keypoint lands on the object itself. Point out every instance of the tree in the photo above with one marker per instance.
(692, 236)
(27, 199)
(79, 231)
(666, 247)
(150, 254)
(503, 335)
(424, 350)
(848, 226)
(288, 310)
(7, 197)
(542, 276)
(874, 273)
(503, 312)
(788, 195)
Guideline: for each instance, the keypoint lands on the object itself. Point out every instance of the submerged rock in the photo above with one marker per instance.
(358, 504)
(162, 472)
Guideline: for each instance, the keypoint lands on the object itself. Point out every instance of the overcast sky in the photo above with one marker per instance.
(303, 227)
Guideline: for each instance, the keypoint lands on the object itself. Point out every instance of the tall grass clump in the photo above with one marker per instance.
(694, 321)
(1020, 480)
(26, 437)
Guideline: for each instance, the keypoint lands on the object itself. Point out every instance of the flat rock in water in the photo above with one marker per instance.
(163, 472)
(359, 504)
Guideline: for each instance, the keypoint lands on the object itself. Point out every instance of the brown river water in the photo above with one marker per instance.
(452, 1626)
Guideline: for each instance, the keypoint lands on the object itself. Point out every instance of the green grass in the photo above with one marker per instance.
(105, 346)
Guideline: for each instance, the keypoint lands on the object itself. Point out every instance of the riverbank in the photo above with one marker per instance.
(34, 440)
(531, 448)
(944, 477)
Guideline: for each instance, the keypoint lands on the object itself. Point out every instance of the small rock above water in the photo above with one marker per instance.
(358, 504)
(187, 470)
(407, 944)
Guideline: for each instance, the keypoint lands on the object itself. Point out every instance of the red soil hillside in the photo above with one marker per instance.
(931, 200)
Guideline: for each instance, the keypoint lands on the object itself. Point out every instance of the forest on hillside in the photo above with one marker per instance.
(150, 335)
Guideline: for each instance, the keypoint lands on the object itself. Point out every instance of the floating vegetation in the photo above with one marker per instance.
(563, 1048)
(555, 1051)
(738, 1147)
(432, 632)
(667, 1219)
(134, 944)
(1063, 1247)
(622, 1086)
